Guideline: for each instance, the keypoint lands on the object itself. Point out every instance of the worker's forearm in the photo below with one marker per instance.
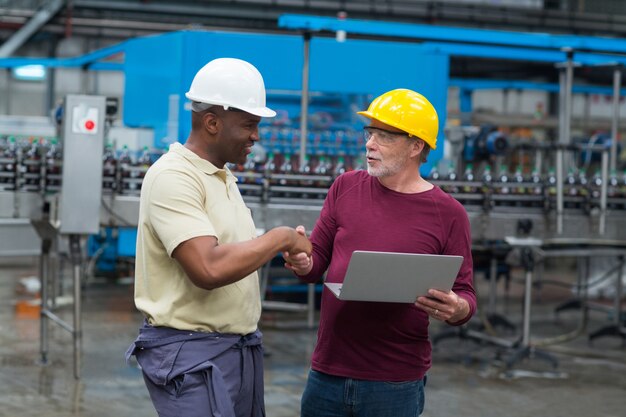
(231, 262)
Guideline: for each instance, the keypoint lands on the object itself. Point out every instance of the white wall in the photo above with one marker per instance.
(525, 103)
(513, 101)
(28, 98)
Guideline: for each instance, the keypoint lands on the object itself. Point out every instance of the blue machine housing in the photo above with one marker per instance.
(344, 78)
(109, 246)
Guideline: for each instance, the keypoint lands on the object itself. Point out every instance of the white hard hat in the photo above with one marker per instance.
(230, 82)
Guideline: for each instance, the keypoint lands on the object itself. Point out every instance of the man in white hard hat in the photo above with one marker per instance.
(371, 358)
(197, 256)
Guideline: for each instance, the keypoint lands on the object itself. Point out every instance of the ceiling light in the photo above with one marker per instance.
(30, 73)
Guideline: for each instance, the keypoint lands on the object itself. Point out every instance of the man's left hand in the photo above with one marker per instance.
(444, 306)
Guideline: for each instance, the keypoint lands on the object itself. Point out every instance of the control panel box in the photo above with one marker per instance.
(83, 143)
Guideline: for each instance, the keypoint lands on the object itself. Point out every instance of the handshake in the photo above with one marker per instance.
(298, 255)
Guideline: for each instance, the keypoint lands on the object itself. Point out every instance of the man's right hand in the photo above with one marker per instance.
(300, 242)
(300, 262)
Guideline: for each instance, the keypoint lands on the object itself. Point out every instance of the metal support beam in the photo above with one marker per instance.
(617, 83)
(604, 191)
(453, 34)
(559, 155)
(569, 82)
(40, 18)
(566, 75)
(304, 102)
(472, 84)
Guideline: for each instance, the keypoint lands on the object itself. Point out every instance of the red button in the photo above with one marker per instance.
(89, 125)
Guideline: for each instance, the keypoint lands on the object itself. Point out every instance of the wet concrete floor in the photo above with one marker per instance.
(468, 378)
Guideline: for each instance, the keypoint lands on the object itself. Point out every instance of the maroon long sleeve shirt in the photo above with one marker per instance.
(372, 340)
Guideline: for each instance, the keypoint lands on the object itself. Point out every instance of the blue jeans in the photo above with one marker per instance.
(331, 396)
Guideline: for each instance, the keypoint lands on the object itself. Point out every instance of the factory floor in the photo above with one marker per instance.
(467, 378)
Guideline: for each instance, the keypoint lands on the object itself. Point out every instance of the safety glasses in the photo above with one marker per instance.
(382, 136)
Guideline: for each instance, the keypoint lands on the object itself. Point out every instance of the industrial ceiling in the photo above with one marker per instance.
(123, 19)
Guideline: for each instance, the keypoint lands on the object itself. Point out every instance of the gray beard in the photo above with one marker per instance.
(384, 171)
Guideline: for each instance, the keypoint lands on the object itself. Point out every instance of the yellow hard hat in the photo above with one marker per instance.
(408, 111)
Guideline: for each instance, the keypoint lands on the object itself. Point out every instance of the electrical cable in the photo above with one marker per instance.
(608, 274)
(592, 141)
(91, 264)
(114, 214)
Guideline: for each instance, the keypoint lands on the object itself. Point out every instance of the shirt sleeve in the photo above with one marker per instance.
(459, 242)
(176, 209)
(323, 236)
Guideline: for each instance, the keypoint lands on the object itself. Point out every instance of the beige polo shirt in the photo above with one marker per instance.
(184, 196)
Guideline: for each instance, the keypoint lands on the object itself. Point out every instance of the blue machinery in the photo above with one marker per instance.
(317, 83)
(160, 66)
(344, 75)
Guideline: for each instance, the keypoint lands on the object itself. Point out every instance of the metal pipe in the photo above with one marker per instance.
(53, 267)
(78, 333)
(58, 320)
(565, 113)
(559, 191)
(559, 154)
(561, 103)
(617, 82)
(528, 283)
(43, 322)
(50, 79)
(617, 302)
(304, 101)
(585, 296)
(9, 95)
(75, 252)
(604, 190)
(569, 81)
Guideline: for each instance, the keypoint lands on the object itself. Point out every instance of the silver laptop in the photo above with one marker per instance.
(395, 277)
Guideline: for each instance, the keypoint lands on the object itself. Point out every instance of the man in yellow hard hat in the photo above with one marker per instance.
(197, 256)
(371, 358)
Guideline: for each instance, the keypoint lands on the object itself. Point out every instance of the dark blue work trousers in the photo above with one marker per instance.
(196, 374)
